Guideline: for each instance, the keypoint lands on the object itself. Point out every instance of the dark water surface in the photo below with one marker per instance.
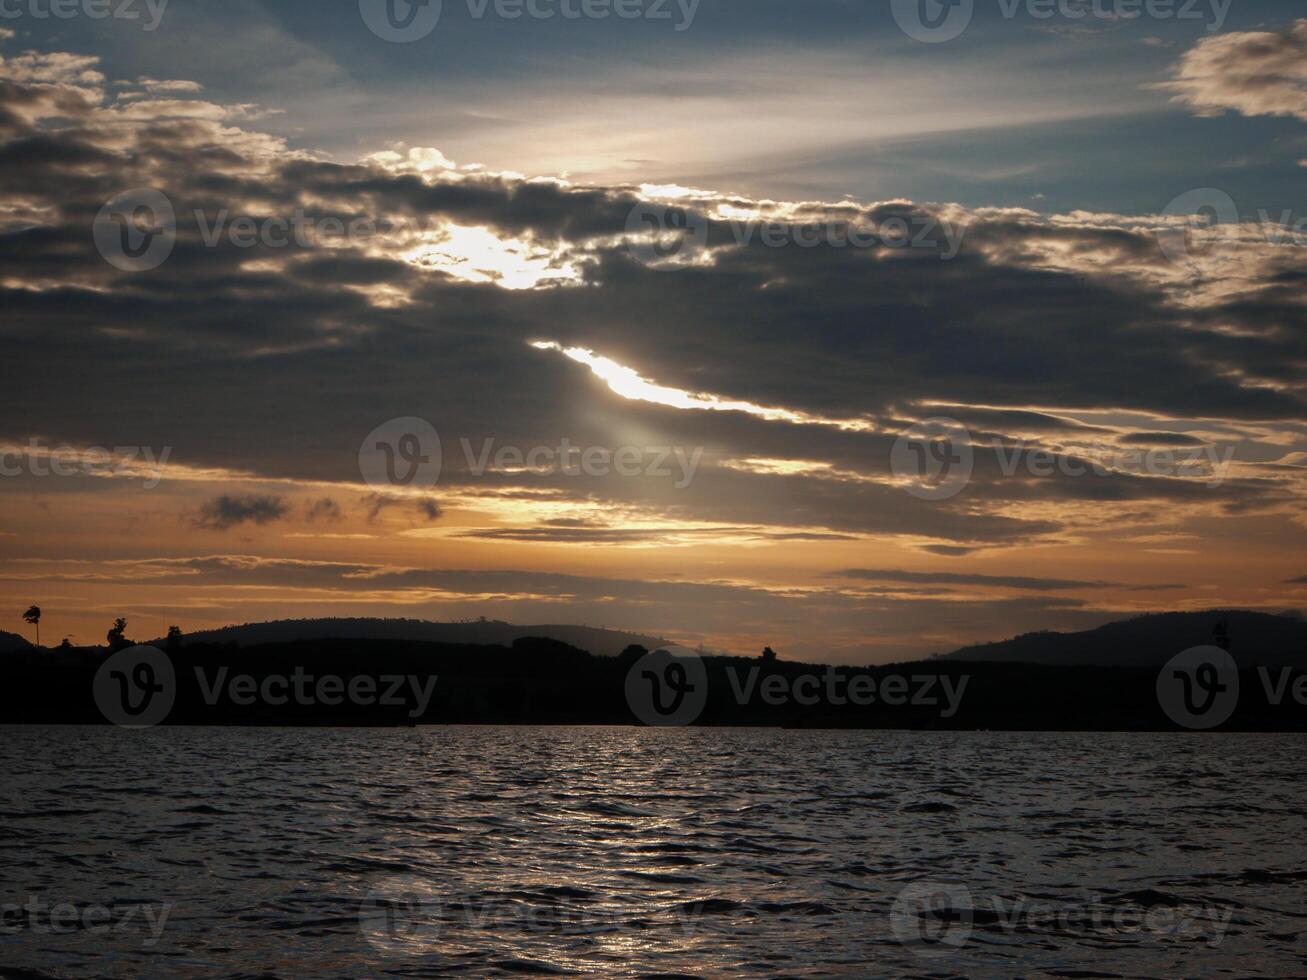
(638, 852)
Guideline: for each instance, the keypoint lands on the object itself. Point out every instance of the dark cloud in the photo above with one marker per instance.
(1036, 319)
(427, 508)
(1160, 439)
(323, 509)
(949, 550)
(227, 511)
(375, 503)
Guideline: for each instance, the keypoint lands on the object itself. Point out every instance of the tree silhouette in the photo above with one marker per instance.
(115, 635)
(174, 642)
(768, 655)
(33, 616)
(633, 652)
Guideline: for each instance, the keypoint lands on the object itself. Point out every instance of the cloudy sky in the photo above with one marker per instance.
(639, 321)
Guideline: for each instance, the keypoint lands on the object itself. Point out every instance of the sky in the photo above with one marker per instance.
(809, 325)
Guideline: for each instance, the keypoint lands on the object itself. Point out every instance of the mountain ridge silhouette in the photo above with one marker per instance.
(491, 632)
(13, 641)
(1150, 640)
(1146, 640)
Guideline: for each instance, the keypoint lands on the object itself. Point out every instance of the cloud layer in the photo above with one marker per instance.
(1126, 381)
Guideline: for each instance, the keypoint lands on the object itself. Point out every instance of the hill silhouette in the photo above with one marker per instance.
(543, 682)
(12, 641)
(1104, 679)
(1149, 641)
(592, 639)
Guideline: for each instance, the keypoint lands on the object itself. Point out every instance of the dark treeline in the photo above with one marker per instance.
(547, 682)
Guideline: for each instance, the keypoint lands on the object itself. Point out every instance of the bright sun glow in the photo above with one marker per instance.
(478, 255)
(626, 382)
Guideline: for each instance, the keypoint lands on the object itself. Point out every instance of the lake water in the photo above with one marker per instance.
(639, 852)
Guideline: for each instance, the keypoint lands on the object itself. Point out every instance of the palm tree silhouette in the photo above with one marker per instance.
(33, 616)
(115, 635)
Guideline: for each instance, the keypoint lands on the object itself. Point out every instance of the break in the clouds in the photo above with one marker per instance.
(692, 439)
